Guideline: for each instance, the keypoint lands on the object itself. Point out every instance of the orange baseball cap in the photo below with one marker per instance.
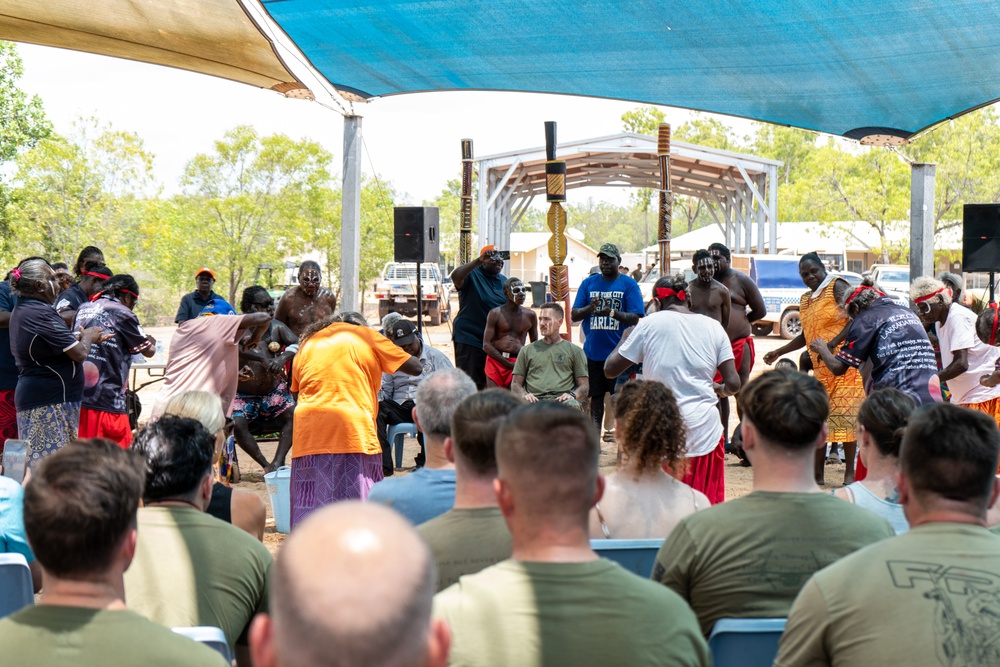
(205, 269)
(487, 248)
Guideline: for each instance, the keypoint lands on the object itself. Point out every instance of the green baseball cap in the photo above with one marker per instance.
(611, 250)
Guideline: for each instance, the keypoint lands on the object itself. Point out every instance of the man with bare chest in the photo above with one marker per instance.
(263, 399)
(743, 294)
(707, 296)
(504, 336)
(307, 302)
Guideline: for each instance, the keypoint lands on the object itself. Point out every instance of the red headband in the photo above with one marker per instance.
(664, 292)
(859, 290)
(94, 275)
(933, 294)
(128, 291)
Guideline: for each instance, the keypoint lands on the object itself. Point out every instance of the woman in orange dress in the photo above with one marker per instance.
(823, 316)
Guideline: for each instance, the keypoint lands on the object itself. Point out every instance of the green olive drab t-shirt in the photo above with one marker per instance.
(581, 614)
(550, 370)
(464, 541)
(928, 597)
(749, 557)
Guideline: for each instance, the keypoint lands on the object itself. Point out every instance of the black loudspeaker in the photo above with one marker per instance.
(981, 238)
(416, 236)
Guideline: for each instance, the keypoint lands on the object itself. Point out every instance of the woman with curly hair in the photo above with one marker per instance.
(645, 498)
(892, 339)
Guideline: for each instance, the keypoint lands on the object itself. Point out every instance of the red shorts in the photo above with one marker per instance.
(108, 425)
(708, 473)
(8, 417)
(501, 375)
(740, 346)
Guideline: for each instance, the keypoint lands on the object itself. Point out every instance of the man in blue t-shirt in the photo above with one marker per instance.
(608, 303)
(480, 290)
(429, 491)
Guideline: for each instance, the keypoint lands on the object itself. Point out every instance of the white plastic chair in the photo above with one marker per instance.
(210, 636)
(16, 591)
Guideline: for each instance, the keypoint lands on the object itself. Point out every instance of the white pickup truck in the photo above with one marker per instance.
(396, 291)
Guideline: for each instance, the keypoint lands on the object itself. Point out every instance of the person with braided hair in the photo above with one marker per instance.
(892, 339)
(103, 412)
(644, 498)
(684, 350)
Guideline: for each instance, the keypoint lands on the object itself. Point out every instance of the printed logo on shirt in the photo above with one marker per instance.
(966, 608)
(609, 300)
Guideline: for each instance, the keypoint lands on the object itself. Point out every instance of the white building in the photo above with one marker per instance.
(529, 256)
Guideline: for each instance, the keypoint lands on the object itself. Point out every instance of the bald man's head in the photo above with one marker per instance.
(353, 586)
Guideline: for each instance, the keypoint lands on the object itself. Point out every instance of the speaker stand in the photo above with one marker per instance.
(420, 306)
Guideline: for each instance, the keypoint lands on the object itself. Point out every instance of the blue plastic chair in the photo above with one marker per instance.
(745, 642)
(16, 591)
(395, 438)
(634, 555)
(212, 637)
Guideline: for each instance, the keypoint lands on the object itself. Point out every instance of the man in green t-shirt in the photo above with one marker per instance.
(473, 535)
(190, 568)
(748, 558)
(555, 602)
(932, 595)
(80, 517)
(354, 586)
(551, 368)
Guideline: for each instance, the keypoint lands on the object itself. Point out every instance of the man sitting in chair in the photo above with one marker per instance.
(396, 397)
(550, 368)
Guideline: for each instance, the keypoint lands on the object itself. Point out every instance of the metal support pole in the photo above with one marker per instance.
(350, 220)
(921, 219)
(420, 304)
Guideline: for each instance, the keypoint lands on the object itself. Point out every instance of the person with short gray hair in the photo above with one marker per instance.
(429, 491)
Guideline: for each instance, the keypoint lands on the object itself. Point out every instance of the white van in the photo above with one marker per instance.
(777, 278)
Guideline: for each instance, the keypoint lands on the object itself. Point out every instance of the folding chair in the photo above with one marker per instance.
(16, 591)
(635, 556)
(210, 636)
(395, 437)
(746, 642)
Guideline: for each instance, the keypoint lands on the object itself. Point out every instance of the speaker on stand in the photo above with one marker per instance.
(415, 239)
(981, 241)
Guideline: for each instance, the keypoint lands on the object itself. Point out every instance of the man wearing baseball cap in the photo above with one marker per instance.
(192, 304)
(480, 290)
(399, 391)
(607, 303)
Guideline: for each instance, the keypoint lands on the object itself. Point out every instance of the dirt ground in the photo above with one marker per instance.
(739, 479)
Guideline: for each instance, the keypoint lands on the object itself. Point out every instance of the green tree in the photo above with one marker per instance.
(250, 200)
(80, 190)
(789, 145)
(22, 125)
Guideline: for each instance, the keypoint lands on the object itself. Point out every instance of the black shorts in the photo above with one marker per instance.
(599, 385)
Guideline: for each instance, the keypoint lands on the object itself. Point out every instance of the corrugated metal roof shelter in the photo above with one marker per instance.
(739, 190)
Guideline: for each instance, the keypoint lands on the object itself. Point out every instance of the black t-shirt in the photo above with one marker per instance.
(192, 304)
(71, 299)
(480, 293)
(39, 339)
(107, 366)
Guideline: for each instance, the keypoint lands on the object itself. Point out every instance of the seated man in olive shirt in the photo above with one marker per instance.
(555, 602)
(551, 368)
(472, 535)
(734, 560)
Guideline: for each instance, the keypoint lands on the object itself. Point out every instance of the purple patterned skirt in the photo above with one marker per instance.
(321, 479)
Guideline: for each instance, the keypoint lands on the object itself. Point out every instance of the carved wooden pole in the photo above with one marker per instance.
(666, 209)
(555, 193)
(465, 213)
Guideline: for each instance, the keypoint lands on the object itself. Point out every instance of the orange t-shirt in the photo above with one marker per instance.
(337, 374)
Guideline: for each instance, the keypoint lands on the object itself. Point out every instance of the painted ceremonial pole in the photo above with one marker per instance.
(465, 213)
(555, 193)
(666, 209)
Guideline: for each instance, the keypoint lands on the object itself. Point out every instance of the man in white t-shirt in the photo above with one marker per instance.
(964, 358)
(683, 350)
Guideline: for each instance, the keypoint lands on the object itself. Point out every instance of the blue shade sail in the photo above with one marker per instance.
(850, 67)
